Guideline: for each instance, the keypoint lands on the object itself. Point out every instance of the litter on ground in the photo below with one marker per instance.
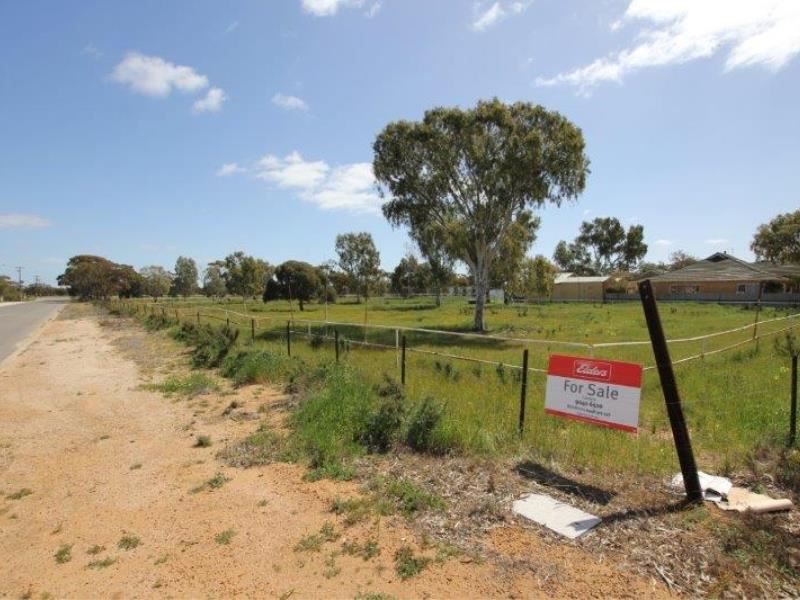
(562, 518)
(724, 494)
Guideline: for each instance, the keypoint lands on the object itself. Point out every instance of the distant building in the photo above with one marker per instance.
(568, 286)
(723, 277)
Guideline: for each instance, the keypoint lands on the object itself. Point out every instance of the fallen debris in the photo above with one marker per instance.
(724, 494)
(562, 518)
(742, 500)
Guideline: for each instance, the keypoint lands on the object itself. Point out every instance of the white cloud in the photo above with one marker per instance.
(212, 102)
(232, 27)
(716, 241)
(754, 32)
(154, 76)
(663, 242)
(289, 102)
(348, 187)
(229, 169)
(373, 10)
(327, 8)
(20, 221)
(496, 12)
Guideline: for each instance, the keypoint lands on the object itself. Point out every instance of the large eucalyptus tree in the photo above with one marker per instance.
(475, 174)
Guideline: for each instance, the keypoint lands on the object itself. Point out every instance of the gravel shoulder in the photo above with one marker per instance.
(88, 456)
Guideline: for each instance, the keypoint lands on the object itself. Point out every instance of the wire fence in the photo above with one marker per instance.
(735, 390)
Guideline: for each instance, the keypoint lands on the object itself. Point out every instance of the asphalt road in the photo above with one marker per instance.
(18, 321)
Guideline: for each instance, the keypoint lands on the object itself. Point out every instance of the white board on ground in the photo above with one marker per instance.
(559, 516)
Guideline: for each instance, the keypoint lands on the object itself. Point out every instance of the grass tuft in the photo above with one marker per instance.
(63, 554)
(407, 565)
(128, 542)
(224, 538)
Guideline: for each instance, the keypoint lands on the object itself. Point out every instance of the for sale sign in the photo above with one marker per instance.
(603, 392)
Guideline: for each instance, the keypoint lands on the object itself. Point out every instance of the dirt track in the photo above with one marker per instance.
(104, 458)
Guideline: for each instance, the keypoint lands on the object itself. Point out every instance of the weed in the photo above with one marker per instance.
(101, 564)
(255, 366)
(63, 554)
(259, 448)
(161, 559)
(224, 537)
(18, 495)
(190, 386)
(354, 510)
(423, 428)
(128, 542)
(407, 497)
(407, 565)
(96, 549)
(374, 596)
(313, 542)
(331, 569)
(203, 441)
(369, 550)
(135, 466)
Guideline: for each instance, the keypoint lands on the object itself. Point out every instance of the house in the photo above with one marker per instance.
(568, 286)
(723, 277)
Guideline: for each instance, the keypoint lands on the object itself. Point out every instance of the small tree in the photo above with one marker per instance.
(245, 275)
(432, 243)
(535, 277)
(779, 240)
(156, 281)
(185, 281)
(360, 260)
(474, 173)
(295, 280)
(410, 276)
(213, 282)
(680, 259)
(602, 247)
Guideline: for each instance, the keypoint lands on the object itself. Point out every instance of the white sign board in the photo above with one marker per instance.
(602, 392)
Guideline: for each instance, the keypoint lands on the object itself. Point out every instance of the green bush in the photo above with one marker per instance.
(212, 345)
(157, 321)
(425, 428)
(384, 422)
(255, 366)
(327, 422)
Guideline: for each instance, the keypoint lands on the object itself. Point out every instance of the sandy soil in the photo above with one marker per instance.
(104, 458)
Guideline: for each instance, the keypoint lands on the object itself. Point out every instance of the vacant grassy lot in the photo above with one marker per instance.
(736, 401)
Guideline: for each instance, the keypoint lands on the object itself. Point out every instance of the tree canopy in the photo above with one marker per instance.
(245, 275)
(602, 247)
(156, 281)
(185, 281)
(93, 277)
(360, 260)
(779, 240)
(294, 280)
(474, 173)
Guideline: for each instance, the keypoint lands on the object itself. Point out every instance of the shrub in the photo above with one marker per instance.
(422, 425)
(382, 424)
(157, 321)
(212, 345)
(255, 366)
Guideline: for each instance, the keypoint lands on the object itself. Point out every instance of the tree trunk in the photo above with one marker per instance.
(438, 296)
(300, 300)
(481, 277)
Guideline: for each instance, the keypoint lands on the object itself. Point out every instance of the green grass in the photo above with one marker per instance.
(95, 549)
(191, 385)
(407, 565)
(63, 554)
(734, 401)
(216, 482)
(128, 542)
(224, 538)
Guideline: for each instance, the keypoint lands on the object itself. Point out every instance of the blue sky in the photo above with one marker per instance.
(145, 130)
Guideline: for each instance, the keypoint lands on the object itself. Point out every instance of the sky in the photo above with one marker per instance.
(145, 130)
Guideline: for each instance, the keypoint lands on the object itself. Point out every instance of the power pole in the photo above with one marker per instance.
(19, 280)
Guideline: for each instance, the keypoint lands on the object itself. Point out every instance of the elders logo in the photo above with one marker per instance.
(592, 369)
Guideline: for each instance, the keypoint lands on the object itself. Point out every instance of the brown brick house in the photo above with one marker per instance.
(727, 278)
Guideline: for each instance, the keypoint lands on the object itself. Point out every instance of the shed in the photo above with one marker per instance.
(568, 286)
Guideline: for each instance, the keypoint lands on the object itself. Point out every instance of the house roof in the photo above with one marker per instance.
(571, 278)
(721, 267)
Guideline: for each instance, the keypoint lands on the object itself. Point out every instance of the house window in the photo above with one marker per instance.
(741, 288)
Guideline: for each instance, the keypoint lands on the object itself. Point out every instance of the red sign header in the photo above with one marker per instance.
(607, 371)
